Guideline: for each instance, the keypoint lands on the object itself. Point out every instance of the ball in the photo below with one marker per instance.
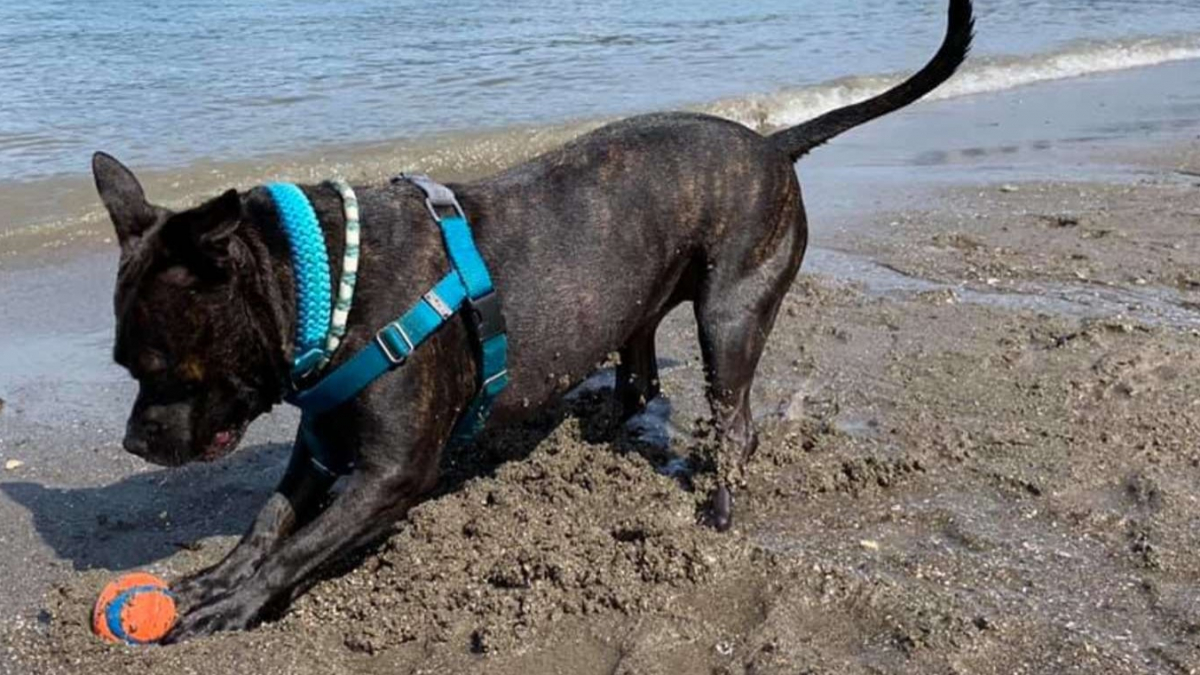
(136, 609)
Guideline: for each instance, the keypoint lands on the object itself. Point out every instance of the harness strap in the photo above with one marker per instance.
(483, 313)
(468, 287)
(389, 350)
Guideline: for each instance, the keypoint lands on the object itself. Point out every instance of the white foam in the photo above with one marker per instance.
(980, 75)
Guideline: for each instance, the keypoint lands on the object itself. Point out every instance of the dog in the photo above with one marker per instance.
(590, 246)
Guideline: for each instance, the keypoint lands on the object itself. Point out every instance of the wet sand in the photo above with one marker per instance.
(978, 414)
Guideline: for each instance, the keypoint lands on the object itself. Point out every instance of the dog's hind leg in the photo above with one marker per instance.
(637, 373)
(731, 341)
(735, 313)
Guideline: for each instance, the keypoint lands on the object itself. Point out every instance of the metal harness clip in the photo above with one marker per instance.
(437, 196)
(484, 316)
(392, 352)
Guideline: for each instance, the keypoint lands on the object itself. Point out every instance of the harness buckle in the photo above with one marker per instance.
(437, 196)
(451, 204)
(484, 316)
(392, 351)
(306, 365)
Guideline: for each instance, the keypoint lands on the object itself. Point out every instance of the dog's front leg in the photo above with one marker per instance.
(371, 503)
(292, 505)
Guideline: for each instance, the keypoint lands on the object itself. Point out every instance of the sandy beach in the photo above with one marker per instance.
(979, 412)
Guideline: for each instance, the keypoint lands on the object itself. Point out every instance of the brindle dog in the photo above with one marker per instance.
(589, 246)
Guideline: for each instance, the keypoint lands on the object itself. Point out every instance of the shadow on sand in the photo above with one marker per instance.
(149, 516)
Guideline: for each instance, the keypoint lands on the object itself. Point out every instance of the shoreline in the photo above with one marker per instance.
(51, 219)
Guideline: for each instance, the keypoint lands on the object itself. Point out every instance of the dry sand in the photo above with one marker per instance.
(979, 458)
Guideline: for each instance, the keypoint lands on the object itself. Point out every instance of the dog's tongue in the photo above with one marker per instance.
(221, 442)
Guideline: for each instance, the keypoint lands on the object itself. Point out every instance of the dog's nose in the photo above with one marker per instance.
(136, 445)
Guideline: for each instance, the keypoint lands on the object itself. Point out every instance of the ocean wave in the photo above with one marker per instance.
(466, 156)
(980, 75)
(478, 153)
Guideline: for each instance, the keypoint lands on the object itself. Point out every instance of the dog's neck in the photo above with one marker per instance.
(274, 277)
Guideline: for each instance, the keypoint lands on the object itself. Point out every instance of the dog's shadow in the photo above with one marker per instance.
(150, 516)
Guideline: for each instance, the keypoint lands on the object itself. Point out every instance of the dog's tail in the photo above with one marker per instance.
(799, 140)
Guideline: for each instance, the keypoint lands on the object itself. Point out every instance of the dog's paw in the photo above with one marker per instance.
(229, 612)
(193, 591)
(200, 588)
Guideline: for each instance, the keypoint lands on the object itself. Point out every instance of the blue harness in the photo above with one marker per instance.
(467, 288)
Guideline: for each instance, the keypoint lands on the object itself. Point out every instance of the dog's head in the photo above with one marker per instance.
(194, 324)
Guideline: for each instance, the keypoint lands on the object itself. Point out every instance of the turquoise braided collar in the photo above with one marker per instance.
(320, 325)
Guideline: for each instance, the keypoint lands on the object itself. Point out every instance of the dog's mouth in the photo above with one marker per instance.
(223, 442)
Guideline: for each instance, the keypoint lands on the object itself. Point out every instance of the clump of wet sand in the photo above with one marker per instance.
(576, 529)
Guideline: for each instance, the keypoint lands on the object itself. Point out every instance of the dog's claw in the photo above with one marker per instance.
(719, 515)
(192, 591)
(226, 613)
(199, 589)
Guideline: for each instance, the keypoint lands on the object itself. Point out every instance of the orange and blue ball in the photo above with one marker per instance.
(136, 609)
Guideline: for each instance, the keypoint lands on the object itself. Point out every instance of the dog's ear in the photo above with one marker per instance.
(201, 236)
(124, 198)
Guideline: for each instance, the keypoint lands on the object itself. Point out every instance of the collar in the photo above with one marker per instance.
(320, 323)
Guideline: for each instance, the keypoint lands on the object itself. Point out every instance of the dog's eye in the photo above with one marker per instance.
(151, 362)
(177, 275)
(190, 371)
